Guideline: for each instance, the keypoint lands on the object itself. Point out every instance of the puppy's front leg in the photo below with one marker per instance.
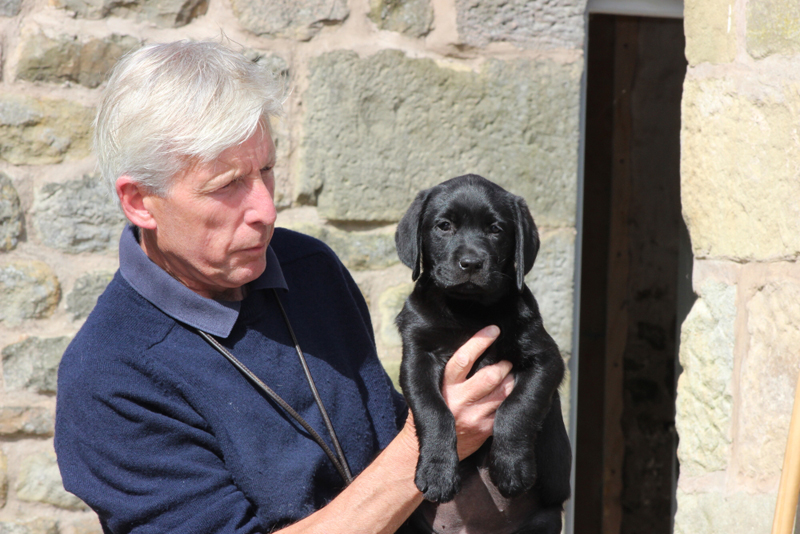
(437, 468)
(512, 458)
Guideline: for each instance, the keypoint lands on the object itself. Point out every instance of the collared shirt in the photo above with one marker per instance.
(216, 317)
(157, 432)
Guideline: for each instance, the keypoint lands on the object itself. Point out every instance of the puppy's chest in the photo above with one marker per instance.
(506, 347)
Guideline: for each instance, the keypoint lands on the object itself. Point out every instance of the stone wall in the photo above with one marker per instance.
(740, 345)
(389, 96)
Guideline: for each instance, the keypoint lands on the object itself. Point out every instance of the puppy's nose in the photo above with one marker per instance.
(471, 264)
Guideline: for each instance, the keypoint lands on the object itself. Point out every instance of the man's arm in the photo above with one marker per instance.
(382, 497)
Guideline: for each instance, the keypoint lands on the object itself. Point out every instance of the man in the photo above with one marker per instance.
(155, 429)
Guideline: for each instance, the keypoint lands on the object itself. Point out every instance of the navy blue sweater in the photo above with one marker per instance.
(157, 432)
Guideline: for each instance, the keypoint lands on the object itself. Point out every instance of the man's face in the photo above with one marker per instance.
(214, 225)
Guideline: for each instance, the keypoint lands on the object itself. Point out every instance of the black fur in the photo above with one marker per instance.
(469, 244)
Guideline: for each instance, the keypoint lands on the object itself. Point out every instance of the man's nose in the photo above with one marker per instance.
(260, 204)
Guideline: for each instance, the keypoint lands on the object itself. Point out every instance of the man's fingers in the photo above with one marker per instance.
(489, 379)
(459, 365)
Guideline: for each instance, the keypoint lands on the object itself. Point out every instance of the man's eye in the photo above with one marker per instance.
(230, 184)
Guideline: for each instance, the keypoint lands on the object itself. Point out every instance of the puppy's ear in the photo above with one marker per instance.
(408, 237)
(527, 241)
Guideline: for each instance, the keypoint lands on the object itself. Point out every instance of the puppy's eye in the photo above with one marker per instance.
(495, 228)
(444, 226)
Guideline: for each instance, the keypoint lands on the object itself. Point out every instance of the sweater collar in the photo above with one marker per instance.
(216, 317)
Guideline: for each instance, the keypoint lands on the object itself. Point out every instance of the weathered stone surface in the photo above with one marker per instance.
(3, 479)
(357, 250)
(704, 398)
(291, 19)
(412, 17)
(718, 513)
(389, 305)
(40, 525)
(551, 281)
(272, 61)
(768, 379)
(10, 8)
(89, 524)
(10, 214)
(32, 364)
(83, 297)
(734, 144)
(710, 28)
(525, 23)
(773, 27)
(66, 58)
(40, 481)
(165, 13)
(26, 421)
(43, 131)
(379, 129)
(77, 216)
(28, 290)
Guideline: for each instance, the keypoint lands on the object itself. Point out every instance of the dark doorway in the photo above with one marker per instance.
(633, 282)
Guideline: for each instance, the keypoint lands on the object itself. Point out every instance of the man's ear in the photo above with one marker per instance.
(132, 200)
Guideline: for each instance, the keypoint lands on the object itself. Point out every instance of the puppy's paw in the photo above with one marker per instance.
(437, 476)
(513, 472)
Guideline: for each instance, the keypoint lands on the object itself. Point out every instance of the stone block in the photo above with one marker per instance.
(552, 282)
(739, 172)
(77, 216)
(379, 129)
(28, 290)
(273, 62)
(39, 525)
(10, 214)
(389, 305)
(358, 250)
(539, 24)
(768, 379)
(721, 513)
(773, 27)
(164, 13)
(32, 364)
(83, 297)
(66, 58)
(289, 19)
(710, 29)
(411, 17)
(10, 8)
(39, 480)
(16, 421)
(43, 131)
(88, 524)
(704, 398)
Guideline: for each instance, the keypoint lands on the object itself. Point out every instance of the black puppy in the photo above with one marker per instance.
(469, 244)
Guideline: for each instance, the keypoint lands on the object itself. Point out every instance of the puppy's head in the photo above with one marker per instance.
(471, 236)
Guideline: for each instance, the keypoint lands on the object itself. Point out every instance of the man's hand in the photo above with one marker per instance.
(475, 400)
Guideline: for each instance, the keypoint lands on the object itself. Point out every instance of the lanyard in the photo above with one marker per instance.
(339, 461)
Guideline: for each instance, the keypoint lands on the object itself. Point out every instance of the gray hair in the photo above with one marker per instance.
(167, 106)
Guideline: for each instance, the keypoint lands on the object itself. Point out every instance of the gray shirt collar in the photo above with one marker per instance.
(216, 317)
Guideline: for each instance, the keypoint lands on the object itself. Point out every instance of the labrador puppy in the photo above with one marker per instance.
(469, 244)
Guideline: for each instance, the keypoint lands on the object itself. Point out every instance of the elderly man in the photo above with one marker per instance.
(157, 430)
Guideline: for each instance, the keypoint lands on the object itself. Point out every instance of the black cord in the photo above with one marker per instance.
(338, 460)
(313, 386)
